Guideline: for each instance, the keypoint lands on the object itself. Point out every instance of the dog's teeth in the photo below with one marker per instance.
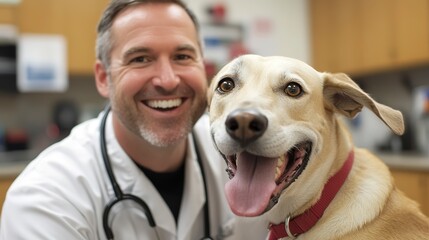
(280, 162)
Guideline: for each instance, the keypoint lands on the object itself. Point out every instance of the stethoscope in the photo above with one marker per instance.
(120, 196)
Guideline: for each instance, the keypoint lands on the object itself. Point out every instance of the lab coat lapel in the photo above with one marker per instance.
(162, 215)
(191, 210)
(132, 180)
(193, 197)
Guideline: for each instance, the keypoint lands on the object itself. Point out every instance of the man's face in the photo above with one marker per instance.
(158, 83)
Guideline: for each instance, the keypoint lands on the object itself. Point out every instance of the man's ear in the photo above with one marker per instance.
(344, 96)
(101, 79)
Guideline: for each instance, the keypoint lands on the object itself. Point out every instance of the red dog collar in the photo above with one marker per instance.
(302, 223)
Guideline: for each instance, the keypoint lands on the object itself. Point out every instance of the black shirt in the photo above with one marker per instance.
(169, 185)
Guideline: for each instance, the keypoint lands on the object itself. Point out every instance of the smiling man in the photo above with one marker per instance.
(146, 169)
(156, 83)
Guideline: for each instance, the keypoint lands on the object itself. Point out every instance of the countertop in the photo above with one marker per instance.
(12, 163)
(406, 161)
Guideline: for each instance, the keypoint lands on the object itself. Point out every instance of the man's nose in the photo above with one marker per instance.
(166, 76)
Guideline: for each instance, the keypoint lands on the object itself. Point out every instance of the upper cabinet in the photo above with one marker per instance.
(76, 20)
(411, 18)
(365, 36)
(81, 19)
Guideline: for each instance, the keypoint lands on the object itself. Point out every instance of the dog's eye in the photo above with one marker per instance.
(225, 85)
(293, 89)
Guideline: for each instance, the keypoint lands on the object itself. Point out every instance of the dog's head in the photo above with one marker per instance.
(271, 118)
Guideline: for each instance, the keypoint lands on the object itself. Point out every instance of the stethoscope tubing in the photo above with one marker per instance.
(120, 196)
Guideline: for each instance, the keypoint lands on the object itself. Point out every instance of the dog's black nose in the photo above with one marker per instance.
(246, 125)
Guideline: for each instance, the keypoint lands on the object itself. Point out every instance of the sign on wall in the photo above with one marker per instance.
(42, 63)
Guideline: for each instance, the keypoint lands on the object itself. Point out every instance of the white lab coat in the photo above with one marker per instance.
(63, 192)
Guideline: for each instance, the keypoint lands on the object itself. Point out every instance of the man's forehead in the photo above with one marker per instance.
(154, 13)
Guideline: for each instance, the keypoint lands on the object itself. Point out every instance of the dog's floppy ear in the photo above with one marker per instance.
(346, 97)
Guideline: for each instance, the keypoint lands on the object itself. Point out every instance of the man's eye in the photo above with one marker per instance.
(140, 59)
(183, 57)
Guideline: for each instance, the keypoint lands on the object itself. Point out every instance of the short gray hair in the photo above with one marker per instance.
(104, 42)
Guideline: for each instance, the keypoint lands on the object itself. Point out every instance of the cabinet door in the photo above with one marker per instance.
(41, 16)
(4, 186)
(365, 36)
(322, 35)
(81, 31)
(378, 50)
(76, 20)
(336, 30)
(346, 42)
(415, 185)
(7, 15)
(411, 21)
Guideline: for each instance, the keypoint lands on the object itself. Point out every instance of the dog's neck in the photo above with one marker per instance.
(305, 221)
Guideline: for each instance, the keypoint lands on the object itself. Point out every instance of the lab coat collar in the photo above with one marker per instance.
(193, 194)
(132, 180)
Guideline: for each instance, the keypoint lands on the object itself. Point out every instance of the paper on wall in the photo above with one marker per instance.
(42, 63)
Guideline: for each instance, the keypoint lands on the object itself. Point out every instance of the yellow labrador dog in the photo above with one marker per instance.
(291, 160)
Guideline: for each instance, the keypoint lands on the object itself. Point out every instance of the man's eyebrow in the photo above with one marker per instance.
(186, 47)
(132, 51)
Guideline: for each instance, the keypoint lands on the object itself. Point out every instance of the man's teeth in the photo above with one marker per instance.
(171, 103)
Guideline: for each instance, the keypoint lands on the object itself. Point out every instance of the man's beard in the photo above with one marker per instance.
(154, 138)
(159, 134)
(163, 134)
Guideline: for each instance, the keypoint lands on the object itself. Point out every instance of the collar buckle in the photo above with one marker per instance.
(287, 229)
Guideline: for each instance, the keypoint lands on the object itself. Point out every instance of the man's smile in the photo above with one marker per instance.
(164, 105)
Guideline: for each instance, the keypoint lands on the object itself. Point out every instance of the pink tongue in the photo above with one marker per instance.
(249, 192)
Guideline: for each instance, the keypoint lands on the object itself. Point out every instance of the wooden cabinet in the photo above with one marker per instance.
(415, 185)
(76, 20)
(377, 45)
(334, 24)
(364, 36)
(4, 185)
(41, 16)
(81, 32)
(7, 15)
(411, 22)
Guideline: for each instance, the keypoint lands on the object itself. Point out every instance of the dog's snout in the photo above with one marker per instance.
(246, 125)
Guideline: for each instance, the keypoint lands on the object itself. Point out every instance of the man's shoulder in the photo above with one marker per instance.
(207, 147)
(203, 122)
(72, 156)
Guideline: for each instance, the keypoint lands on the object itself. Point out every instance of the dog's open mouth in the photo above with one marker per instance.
(256, 182)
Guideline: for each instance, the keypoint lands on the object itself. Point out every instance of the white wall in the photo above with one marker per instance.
(287, 33)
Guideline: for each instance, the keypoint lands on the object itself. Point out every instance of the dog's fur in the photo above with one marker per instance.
(368, 206)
